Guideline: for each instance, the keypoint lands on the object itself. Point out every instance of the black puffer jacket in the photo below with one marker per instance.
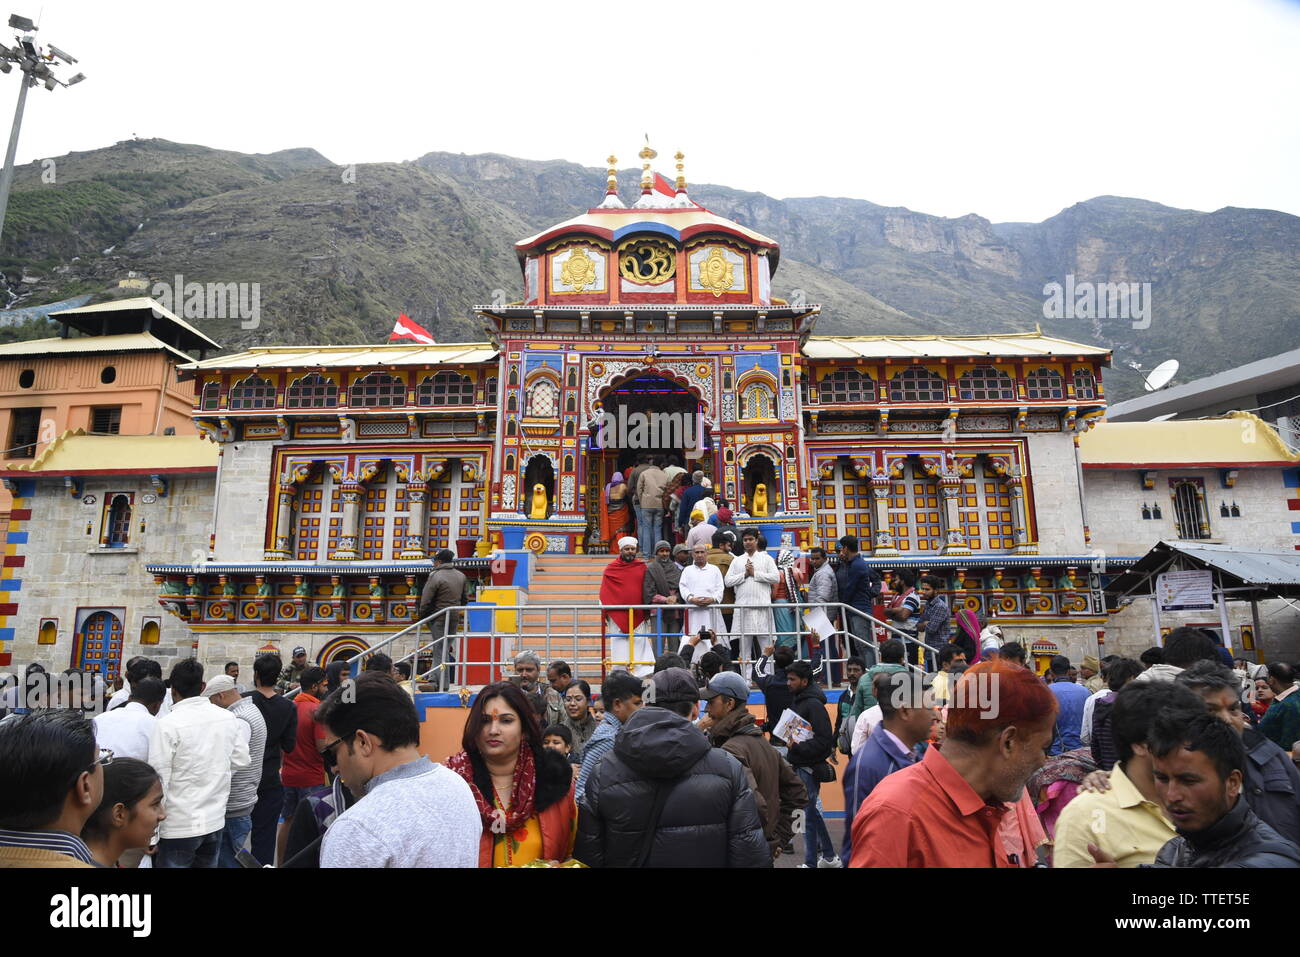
(710, 818)
(810, 704)
(1239, 839)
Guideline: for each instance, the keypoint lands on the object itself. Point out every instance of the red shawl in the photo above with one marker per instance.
(522, 791)
(622, 584)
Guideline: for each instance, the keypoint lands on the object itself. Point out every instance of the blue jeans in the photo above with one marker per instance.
(816, 837)
(648, 529)
(232, 839)
(198, 851)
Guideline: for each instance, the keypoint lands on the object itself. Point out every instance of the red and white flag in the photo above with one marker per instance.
(407, 328)
(664, 185)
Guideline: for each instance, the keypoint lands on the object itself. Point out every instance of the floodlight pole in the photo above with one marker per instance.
(7, 177)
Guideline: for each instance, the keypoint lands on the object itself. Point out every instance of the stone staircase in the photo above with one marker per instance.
(561, 581)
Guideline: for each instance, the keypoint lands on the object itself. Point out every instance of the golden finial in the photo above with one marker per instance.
(612, 173)
(646, 154)
(681, 171)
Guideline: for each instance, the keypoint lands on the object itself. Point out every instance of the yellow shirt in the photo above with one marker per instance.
(1121, 822)
(522, 847)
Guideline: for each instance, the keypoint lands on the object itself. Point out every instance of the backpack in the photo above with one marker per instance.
(845, 740)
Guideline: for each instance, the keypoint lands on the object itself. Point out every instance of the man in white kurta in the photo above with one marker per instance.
(752, 576)
(701, 590)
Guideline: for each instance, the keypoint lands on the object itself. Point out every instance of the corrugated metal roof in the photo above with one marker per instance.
(315, 357)
(1252, 566)
(125, 342)
(927, 347)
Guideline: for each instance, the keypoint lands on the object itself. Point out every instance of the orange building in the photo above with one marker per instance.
(112, 370)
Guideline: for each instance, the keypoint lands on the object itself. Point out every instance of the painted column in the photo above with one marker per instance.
(413, 548)
(1016, 487)
(282, 538)
(880, 516)
(955, 539)
(348, 532)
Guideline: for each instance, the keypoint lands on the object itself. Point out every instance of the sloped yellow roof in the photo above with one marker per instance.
(76, 452)
(1238, 439)
(123, 342)
(316, 357)
(908, 347)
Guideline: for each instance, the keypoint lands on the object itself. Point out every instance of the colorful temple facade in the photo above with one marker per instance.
(343, 468)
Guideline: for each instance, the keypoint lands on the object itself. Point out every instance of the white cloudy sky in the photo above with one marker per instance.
(1007, 109)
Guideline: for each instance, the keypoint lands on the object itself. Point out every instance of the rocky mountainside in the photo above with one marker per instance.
(339, 251)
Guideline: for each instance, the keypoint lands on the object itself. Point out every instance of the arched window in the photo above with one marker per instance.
(568, 463)
(490, 391)
(312, 392)
(543, 399)
(1044, 384)
(445, 388)
(118, 532)
(847, 385)
(917, 385)
(573, 378)
(514, 375)
(1085, 386)
(253, 393)
(1189, 511)
(378, 390)
(985, 383)
(211, 396)
(571, 403)
(757, 402)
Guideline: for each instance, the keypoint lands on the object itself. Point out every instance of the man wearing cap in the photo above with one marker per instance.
(1090, 674)
(660, 588)
(731, 727)
(701, 589)
(664, 798)
(291, 675)
(251, 728)
(444, 588)
(701, 532)
(623, 584)
(692, 495)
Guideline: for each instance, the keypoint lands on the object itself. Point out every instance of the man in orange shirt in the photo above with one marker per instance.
(946, 811)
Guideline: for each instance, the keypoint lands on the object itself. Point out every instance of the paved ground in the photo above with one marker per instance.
(834, 825)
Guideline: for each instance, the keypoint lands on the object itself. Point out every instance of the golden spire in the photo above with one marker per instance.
(646, 154)
(681, 171)
(611, 186)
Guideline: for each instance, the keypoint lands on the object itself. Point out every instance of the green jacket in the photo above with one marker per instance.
(863, 698)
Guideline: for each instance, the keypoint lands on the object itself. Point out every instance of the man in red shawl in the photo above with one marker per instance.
(622, 584)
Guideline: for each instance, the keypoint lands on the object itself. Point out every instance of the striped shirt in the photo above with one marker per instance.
(598, 745)
(61, 842)
(244, 783)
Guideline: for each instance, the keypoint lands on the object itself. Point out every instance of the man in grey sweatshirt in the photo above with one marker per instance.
(412, 812)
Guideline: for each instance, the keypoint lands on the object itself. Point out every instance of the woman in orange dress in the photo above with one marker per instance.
(524, 791)
(615, 512)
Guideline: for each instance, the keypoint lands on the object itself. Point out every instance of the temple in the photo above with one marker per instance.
(344, 467)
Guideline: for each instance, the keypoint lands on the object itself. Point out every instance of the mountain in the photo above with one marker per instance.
(339, 251)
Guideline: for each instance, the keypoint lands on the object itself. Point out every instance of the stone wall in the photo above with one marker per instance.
(245, 489)
(1055, 481)
(67, 574)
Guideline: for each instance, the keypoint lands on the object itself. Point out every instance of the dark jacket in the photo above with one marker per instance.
(1238, 839)
(281, 719)
(810, 704)
(858, 584)
(444, 588)
(776, 787)
(689, 498)
(710, 818)
(1272, 785)
(1103, 739)
(663, 579)
(776, 695)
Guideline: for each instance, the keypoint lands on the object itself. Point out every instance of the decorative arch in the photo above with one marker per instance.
(253, 392)
(918, 384)
(344, 643)
(312, 391)
(378, 390)
(846, 385)
(542, 390)
(445, 388)
(985, 383)
(1044, 383)
(211, 398)
(667, 373)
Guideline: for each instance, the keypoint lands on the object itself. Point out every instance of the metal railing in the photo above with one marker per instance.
(565, 629)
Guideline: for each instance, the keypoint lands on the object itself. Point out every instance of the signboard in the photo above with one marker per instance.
(1185, 591)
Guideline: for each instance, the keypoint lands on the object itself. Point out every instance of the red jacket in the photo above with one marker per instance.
(303, 766)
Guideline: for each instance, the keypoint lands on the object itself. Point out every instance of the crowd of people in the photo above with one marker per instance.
(1180, 758)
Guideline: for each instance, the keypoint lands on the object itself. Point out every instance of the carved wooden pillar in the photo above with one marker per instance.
(282, 536)
(413, 546)
(884, 541)
(349, 530)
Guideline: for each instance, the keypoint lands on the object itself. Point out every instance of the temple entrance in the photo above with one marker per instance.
(759, 479)
(644, 415)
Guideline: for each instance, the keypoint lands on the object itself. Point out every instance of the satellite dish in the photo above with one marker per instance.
(1160, 376)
